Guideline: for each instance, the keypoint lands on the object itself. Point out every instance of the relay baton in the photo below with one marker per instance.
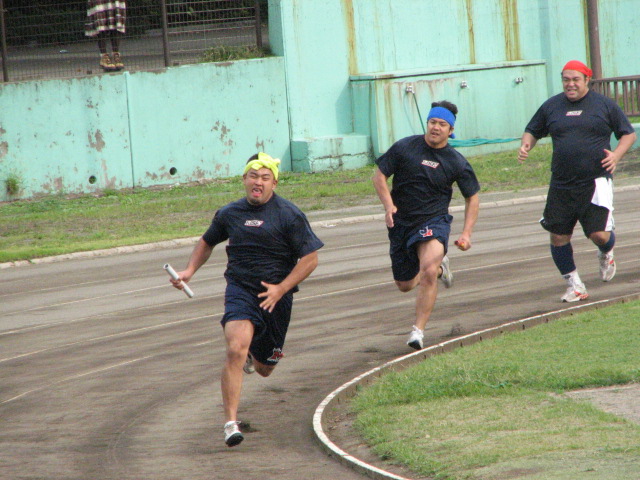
(172, 273)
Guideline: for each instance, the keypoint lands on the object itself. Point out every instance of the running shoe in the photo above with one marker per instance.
(607, 266)
(248, 365)
(575, 292)
(232, 434)
(447, 275)
(415, 339)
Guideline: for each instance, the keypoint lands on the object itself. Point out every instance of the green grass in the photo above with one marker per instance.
(61, 224)
(496, 406)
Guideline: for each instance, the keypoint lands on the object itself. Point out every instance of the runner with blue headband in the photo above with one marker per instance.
(424, 169)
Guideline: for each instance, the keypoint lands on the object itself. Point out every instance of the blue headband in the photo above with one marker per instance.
(444, 114)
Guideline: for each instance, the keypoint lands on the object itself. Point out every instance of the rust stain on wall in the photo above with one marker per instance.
(98, 144)
(4, 149)
(351, 36)
(511, 29)
(472, 38)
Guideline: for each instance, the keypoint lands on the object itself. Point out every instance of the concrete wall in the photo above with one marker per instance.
(142, 129)
(350, 77)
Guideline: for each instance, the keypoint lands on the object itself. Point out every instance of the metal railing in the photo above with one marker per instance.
(42, 40)
(624, 90)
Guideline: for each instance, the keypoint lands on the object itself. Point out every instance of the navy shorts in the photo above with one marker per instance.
(403, 239)
(566, 207)
(270, 329)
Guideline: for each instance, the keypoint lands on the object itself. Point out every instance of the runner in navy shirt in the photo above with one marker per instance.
(580, 123)
(424, 169)
(271, 249)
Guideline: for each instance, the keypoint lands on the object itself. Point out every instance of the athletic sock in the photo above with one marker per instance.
(572, 278)
(563, 258)
(607, 247)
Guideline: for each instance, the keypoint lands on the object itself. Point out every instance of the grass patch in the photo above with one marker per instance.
(498, 403)
(230, 53)
(61, 224)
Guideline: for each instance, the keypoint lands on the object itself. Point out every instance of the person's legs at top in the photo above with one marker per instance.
(105, 59)
(238, 335)
(115, 47)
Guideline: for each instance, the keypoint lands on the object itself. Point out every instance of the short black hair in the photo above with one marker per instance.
(446, 104)
(252, 158)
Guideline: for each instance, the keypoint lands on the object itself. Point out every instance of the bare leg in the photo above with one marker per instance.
(238, 335)
(430, 255)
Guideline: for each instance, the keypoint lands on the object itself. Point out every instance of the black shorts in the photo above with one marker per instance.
(403, 240)
(270, 329)
(566, 207)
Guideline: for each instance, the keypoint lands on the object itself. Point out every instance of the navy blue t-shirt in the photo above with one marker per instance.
(580, 131)
(265, 241)
(423, 178)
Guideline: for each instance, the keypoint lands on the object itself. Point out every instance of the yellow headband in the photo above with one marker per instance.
(263, 161)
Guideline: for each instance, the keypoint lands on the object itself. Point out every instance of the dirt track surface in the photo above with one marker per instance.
(106, 372)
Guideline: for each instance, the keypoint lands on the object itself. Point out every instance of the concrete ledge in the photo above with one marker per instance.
(347, 391)
(344, 152)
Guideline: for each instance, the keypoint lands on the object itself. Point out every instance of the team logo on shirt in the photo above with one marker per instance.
(430, 163)
(253, 223)
(276, 356)
(574, 113)
(426, 232)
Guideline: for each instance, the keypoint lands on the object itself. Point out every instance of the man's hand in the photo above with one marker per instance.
(271, 296)
(610, 161)
(183, 276)
(523, 152)
(388, 216)
(463, 243)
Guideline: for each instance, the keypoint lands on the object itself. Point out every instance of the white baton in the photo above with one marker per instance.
(172, 273)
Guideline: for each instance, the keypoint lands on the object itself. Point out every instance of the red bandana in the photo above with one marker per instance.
(578, 67)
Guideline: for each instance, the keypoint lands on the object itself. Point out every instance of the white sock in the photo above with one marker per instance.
(572, 278)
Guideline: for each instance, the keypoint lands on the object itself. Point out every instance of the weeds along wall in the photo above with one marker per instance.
(141, 129)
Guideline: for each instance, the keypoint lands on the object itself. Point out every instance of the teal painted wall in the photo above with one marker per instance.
(334, 97)
(142, 129)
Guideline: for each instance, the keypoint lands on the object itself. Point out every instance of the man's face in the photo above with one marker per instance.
(575, 84)
(259, 185)
(438, 131)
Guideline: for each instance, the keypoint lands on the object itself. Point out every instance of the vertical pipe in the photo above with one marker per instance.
(165, 33)
(130, 123)
(594, 38)
(3, 44)
(258, 25)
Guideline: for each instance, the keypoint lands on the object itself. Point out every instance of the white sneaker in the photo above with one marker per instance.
(607, 266)
(447, 275)
(415, 339)
(575, 292)
(248, 365)
(232, 434)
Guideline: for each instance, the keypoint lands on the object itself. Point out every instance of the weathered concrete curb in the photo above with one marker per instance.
(192, 240)
(345, 392)
(319, 223)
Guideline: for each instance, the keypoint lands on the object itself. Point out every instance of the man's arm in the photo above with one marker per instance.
(611, 159)
(199, 256)
(471, 208)
(527, 143)
(274, 292)
(379, 180)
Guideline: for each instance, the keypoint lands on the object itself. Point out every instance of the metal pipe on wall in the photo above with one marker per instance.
(3, 44)
(594, 38)
(165, 33)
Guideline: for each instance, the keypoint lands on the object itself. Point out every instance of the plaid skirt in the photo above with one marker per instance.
(105, 15)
